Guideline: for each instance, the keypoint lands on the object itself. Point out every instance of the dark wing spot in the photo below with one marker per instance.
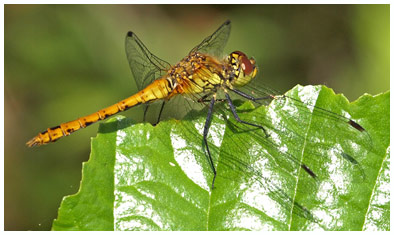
(356, 125)
(349, 158)
(309, 171)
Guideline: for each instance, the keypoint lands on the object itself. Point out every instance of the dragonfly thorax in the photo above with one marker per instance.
(196, 73)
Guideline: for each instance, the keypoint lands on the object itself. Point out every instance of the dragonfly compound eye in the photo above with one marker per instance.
(246, 65)
(239, 58)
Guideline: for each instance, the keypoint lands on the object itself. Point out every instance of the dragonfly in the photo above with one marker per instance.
(204, 77)
(199, 75)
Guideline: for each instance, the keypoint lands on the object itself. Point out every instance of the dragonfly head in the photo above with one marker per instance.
(245, 68)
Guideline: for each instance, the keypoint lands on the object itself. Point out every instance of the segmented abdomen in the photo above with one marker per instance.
(159, 89)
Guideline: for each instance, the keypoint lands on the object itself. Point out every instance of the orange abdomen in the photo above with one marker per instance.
(159, 89)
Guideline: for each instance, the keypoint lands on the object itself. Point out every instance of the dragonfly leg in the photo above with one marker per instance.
(205, 100)
(158, 119)
(230, 103)
(145, 112)
(249, 97)
(206, 128)
(161, 110)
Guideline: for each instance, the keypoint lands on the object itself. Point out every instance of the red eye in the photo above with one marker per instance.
(247, 67)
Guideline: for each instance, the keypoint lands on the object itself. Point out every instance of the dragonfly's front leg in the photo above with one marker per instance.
(249, 97)
(230, 103)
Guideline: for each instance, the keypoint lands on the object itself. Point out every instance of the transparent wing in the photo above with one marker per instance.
(214, 44)
(318, 138)
(176, 107)
(239, 168)
(144, 66)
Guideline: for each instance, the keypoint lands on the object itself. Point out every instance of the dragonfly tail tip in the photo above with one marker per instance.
(34, 142)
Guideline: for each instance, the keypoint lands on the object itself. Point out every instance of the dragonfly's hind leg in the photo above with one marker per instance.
(230, 103)
(160, 112)
(206, 128)
(146, 107)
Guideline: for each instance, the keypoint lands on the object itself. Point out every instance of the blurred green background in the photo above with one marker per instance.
(66, 61)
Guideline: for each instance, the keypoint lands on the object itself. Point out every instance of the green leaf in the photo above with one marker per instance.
(144, 177)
